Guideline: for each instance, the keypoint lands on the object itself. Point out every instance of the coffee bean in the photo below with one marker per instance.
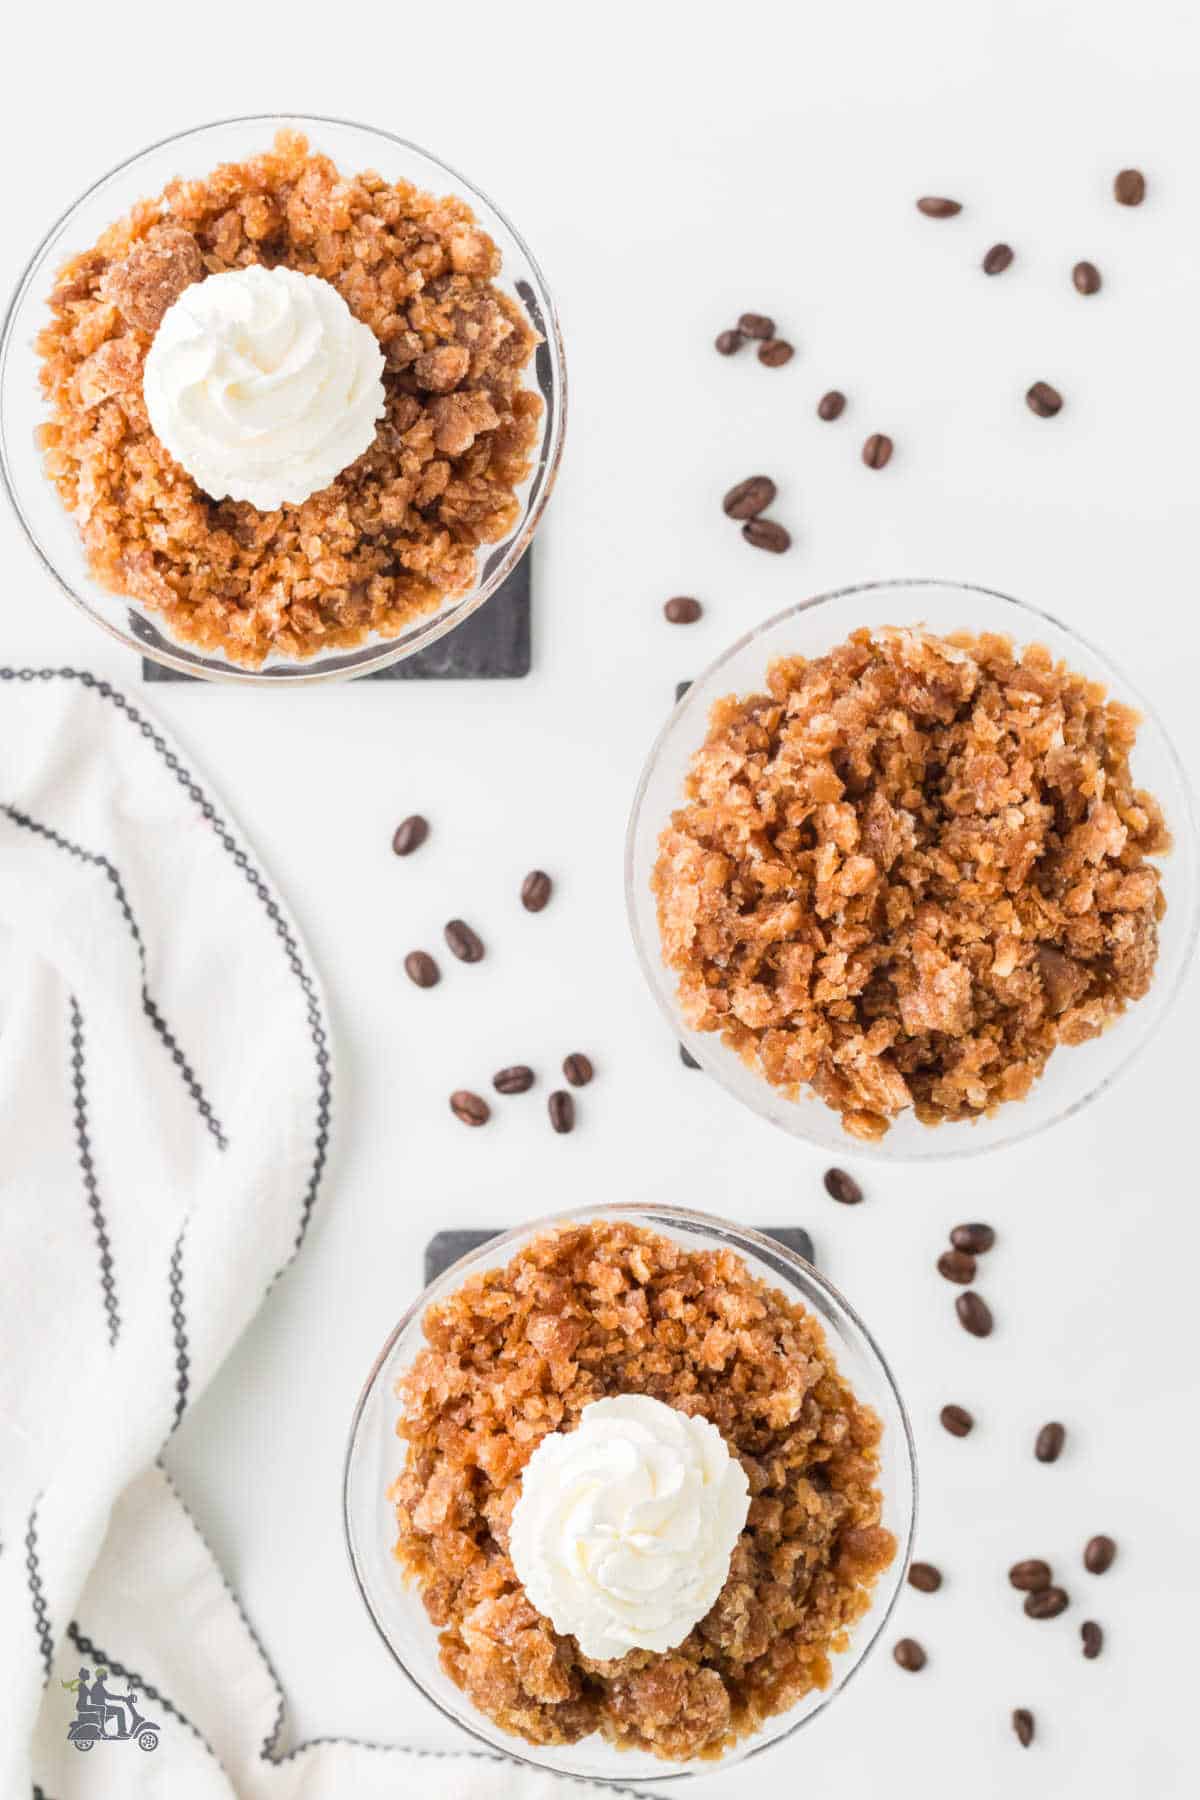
(682, 610)
(578, 1068)
(517, 1079)
(936, 206)
(909, 1654)
(831, 405)
(749, 497)
(978, 1239)
(561, 1108)
(998, 258)
(464, 942)
(843, 1187)
(410, 834)
(1099, 1555)
(1022, 1723)
(1046, 1603)
(536, 890)
(1030, 1576)
(1048, 1444)
(974, 1314)
(925, 1578)
(957, 1265)
(765, 534)
(756, 325)
(1129, 187)
(957, 1420)
(420, 968)
(471, 1108)
(1093, 1639)
(1043, 400)
(775, 352)
(1086, 277)
(877, 451)
(730, 342)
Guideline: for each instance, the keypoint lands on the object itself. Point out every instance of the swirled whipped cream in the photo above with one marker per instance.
(625, 1527)
(263, 384)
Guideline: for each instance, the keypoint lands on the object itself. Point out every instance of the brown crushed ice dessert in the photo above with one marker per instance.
(605, 1422)
(449, 429)
(908, 871)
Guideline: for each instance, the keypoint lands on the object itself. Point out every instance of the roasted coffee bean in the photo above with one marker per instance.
(465, 943)
(978, 1239)
(517, 1079)
(749, 497)
(420, 968)
(909, 1654)
(1129, 187)
(998, 258)
(925, 1578)
(957, 1265)
(756, 325)
(471, 1108)
(765, 534)
(682, 610)
(578, 1068)
(1086, 277)
(561, 1108)
(1043, 400)
(877, 451)
(1030, 1576)
(1048, 1444)
(1046, 1603)
(974, 1314)
(831, 405)
(843, 1187)
(957, 1420)
(1022, 1723)
(730, 342)
(775, 352)
(1093, 1639)
(410, 834)
(1099, 1555)
(936, 206)
(536, 890)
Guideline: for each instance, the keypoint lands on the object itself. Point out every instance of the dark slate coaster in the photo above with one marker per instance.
(494, 644)
(447, 1246)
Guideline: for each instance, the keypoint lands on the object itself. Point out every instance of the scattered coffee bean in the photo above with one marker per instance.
(978, 1239)
(682, 610)
(420, 968)
(925, 1578)
(410, 834)
(1030, 1576)
(957, 1265)
(998, 258)
(1129, 187)
(729, 342)
(536, 890)
(518, 1079)
(1043, 400)
(909, 1654)
(1086, 277)
(974, 1314)
(1093, 1639)
(1099, 1555)
(775, 352)
(1046, 1603)
(465, 943)
(957, 1420)
(578, 1068)
(1047, 1446)
(1022, 1723)
(471, 1108)
(831, 405)
(749, 497)
(756, 325)
(936, 206)
(765, 534)
(561, 1108)
(877, 451)
(843, 1187)
(686, 1058)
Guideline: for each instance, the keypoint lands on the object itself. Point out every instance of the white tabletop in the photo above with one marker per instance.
(673, 165)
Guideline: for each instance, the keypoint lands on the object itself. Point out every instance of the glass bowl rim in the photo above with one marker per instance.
(803, 1274)
(1186, 827)
(297, 672)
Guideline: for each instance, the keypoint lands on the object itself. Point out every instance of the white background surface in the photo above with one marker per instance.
(672, 165)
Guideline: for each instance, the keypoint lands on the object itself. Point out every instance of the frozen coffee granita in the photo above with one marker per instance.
(638, 1498)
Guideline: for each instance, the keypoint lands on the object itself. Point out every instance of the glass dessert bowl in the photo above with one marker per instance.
(1039, 1086)
(519, 286)
(856, 1522)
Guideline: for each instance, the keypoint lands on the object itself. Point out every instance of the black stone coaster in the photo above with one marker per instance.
(446, 1247)
(494, 644)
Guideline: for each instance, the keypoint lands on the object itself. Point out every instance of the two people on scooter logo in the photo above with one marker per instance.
(96, 1709)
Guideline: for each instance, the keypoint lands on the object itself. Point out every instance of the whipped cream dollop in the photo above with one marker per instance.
(263, 384)
(624, 1529)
